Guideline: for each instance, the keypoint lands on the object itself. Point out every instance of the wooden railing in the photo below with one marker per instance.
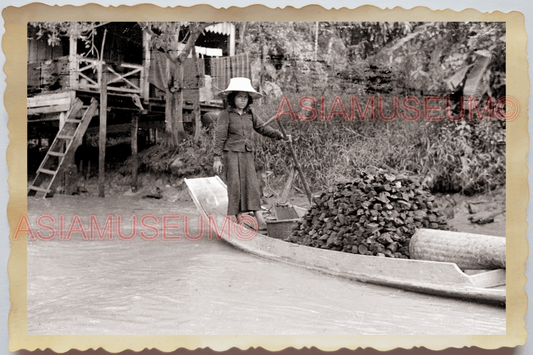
(130, 80)
(86, 74)
(123, 78)
(80, 73)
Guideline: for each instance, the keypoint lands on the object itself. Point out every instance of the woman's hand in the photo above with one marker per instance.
(217, 166)
(288, 138)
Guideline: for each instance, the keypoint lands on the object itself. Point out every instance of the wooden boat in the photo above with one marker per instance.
(430, 277)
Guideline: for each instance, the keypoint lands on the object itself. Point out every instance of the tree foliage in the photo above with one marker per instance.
(428, 58)
(53, 31)
(437, 58)
(168, 36)
(364, 39)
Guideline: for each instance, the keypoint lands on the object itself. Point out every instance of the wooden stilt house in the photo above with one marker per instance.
(60, 76)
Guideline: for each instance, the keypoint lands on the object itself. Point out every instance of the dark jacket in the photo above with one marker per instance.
(234, 132)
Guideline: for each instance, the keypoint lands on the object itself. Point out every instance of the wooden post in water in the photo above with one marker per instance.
(134, 135)
(103, 129)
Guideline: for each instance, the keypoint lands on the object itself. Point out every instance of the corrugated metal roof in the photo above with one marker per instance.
(224, 28)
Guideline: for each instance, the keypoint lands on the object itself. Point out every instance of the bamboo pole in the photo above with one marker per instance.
(103, 46)
(103, 129)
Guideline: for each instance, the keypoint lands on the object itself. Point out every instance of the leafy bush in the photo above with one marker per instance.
(465, 156)
(196, 158)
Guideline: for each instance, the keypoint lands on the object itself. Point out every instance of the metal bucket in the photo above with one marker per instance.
(281, 229)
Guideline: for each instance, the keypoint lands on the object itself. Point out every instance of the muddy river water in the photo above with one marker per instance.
(204, 286)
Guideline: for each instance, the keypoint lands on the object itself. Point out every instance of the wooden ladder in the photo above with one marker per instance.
(70, 135)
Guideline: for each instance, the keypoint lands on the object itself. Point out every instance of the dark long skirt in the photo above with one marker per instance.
(241, 179)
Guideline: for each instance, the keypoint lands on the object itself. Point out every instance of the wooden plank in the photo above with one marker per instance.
(39, 189)
(47, 171)
(490, 278)
(49, 109)
(132, 66)
(126, 127)
(56, 95)
(102, 133)
(127, 85)
(45, 119)
(89, 86)
(48, 102)
(133, 91)
(62, 119)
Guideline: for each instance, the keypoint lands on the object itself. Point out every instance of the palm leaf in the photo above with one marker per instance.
(455, 80)
(475, 85)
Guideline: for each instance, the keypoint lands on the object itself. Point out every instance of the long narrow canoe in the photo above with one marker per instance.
(431, 277)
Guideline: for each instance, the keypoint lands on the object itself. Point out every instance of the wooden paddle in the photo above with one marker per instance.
(297, 164)
(283, 209)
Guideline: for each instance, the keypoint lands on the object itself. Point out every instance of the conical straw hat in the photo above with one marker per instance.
(240, 84)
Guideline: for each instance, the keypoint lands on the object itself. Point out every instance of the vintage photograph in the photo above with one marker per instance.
(271, 178)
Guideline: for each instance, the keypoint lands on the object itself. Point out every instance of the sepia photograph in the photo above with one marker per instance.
(299, 180)
(164, 199)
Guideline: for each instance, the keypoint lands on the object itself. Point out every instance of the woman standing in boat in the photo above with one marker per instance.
(234, 148)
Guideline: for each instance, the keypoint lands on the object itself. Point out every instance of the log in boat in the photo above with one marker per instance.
(439, 278)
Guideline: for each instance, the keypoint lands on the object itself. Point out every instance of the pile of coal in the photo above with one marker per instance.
(375, 214)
